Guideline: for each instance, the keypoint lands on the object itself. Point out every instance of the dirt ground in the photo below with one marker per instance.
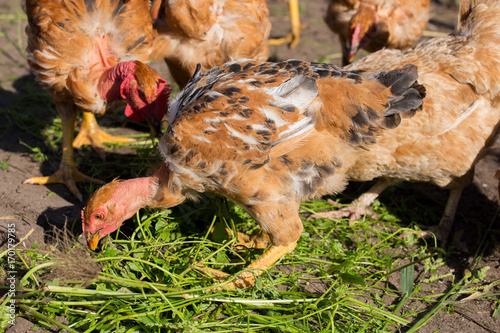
(35, 207)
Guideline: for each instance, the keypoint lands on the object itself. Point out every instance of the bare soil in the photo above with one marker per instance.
(38, 207)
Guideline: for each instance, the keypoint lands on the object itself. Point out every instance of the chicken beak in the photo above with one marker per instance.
(93, 239)
(352, 54)
(355, 41)
(353, 50)
(154, 125)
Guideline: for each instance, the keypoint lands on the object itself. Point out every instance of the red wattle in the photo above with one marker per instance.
(135, 116)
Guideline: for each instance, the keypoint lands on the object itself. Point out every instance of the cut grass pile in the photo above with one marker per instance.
(371, 276)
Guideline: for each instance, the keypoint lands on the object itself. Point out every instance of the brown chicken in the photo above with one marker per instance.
(441, 144)
(375, 24)
(210, 33)
(267, 136)
(87, 54)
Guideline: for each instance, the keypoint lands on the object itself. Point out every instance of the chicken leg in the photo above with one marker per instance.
(91, 134)
(359, 207)
(443, 229)
(293, 37)
(67, 173)
(247, 278)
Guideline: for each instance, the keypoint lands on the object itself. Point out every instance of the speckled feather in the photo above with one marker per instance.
(246, 129)
(267, 136)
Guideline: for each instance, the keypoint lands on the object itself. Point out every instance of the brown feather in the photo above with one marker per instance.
(210, 32)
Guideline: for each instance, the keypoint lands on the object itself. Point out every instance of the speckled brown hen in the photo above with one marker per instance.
(267, 136)
(375, 24)
(209, 33)
(87, 54)
(441, 144)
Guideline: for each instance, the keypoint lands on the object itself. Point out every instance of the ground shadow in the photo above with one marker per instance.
(29, 125)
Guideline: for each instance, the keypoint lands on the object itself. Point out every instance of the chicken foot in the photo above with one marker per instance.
(247, 278)
(443, 229)
(293, 37)
(257, 240)
(359, 207)
(67, 173)
(91, 134)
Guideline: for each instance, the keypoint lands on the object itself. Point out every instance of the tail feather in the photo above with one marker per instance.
(479, 17)
(479, 23)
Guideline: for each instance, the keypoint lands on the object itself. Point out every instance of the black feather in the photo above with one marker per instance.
(410, 100)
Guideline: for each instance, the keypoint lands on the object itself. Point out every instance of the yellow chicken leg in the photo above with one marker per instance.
(91, 134)
(67, 173)
(247, 279)
(293, 37)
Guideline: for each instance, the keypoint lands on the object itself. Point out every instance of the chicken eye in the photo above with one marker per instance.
(99, 216)
(142, 95)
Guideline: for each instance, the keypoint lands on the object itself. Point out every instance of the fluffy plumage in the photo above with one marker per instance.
(375, 24)
(267, 136)
(87, 54)
(210, 33)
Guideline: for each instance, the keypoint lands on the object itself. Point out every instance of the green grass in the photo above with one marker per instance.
(339, 278)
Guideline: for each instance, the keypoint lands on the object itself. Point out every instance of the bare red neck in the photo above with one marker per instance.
(111, 80)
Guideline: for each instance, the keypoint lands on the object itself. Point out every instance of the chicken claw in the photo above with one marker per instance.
(359, 207)
(91, 134)
(354, 213)
(293, 38)
(256, 268)
(257, 240)
(68, 175)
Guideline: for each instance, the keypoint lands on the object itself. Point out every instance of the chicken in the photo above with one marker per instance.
(375, 24)
(209, 32)
(267, 136)
(88, 55)
(441, 144)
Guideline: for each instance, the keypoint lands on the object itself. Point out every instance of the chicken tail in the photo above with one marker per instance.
(471, 14)
(478, 22)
